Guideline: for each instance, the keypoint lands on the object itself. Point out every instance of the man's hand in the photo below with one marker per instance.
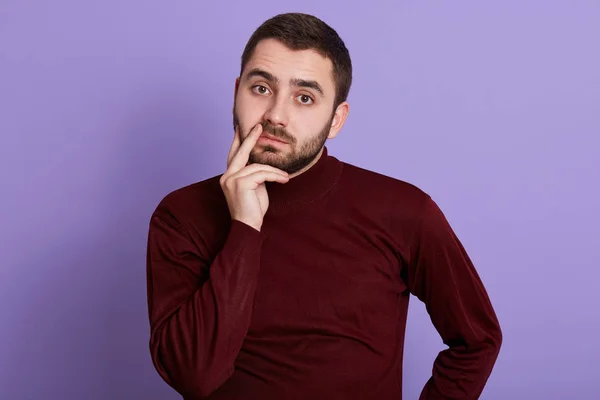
(244, 185)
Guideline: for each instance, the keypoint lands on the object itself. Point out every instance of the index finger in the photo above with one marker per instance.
(235, 145)
(240, 159)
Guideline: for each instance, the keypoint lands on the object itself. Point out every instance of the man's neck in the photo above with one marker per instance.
(309, 184)
(306, 168)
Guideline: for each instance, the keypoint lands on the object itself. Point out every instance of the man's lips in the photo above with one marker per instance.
(270, 137)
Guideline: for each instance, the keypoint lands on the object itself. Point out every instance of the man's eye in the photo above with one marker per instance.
(260, 89)
(305, 99)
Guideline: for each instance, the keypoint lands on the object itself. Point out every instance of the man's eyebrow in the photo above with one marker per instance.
(264, 74)
(294, 82)
(308, 84)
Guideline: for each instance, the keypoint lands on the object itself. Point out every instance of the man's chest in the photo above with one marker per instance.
(327, 275)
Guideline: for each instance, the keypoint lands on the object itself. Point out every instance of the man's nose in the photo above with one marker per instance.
(277, 113)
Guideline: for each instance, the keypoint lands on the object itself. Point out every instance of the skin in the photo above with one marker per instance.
(244, 185)
(291, 94)
(288, 95)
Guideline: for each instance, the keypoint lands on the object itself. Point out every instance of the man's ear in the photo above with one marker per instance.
(237, 85)
(339, 118)
(235, 91)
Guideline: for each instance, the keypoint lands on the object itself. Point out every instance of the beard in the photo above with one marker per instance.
(290, 161)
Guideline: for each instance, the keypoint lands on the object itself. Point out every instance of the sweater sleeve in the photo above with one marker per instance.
(199, 311)
(442, 275)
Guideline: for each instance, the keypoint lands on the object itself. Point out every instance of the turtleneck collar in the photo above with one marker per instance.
(305, 188)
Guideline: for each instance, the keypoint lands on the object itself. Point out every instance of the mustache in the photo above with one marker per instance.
(277, 132)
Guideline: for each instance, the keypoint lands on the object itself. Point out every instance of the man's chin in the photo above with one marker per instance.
(273, 159)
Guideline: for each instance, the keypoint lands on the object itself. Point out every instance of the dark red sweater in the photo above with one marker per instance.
(314, 305)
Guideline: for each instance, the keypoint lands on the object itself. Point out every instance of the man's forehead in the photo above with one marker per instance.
(283, 63)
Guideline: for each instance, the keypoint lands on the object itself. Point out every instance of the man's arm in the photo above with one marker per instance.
(197, 322)
(441, 275)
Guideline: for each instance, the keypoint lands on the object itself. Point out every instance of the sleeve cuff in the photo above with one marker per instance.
(243, 238)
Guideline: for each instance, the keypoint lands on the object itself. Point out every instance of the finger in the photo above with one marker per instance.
(253, 180)
(250, 169)
(240, 159)
(235, 144)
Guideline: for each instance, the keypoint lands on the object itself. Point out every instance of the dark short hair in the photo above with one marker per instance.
(299, 31)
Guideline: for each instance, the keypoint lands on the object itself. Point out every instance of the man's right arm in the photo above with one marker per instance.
(199, 311)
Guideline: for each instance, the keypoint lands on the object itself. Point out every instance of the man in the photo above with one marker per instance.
(289, 275)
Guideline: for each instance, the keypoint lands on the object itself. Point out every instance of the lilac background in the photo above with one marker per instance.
(106, 106)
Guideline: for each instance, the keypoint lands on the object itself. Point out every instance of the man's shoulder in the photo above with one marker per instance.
(401, 205)
(200, 197)
(379, 185)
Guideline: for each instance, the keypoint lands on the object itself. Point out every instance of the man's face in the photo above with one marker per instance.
(291, 93)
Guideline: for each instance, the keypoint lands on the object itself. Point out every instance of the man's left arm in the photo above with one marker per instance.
(441, 274)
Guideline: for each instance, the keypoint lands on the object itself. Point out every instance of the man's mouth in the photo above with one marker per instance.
(271, 137)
